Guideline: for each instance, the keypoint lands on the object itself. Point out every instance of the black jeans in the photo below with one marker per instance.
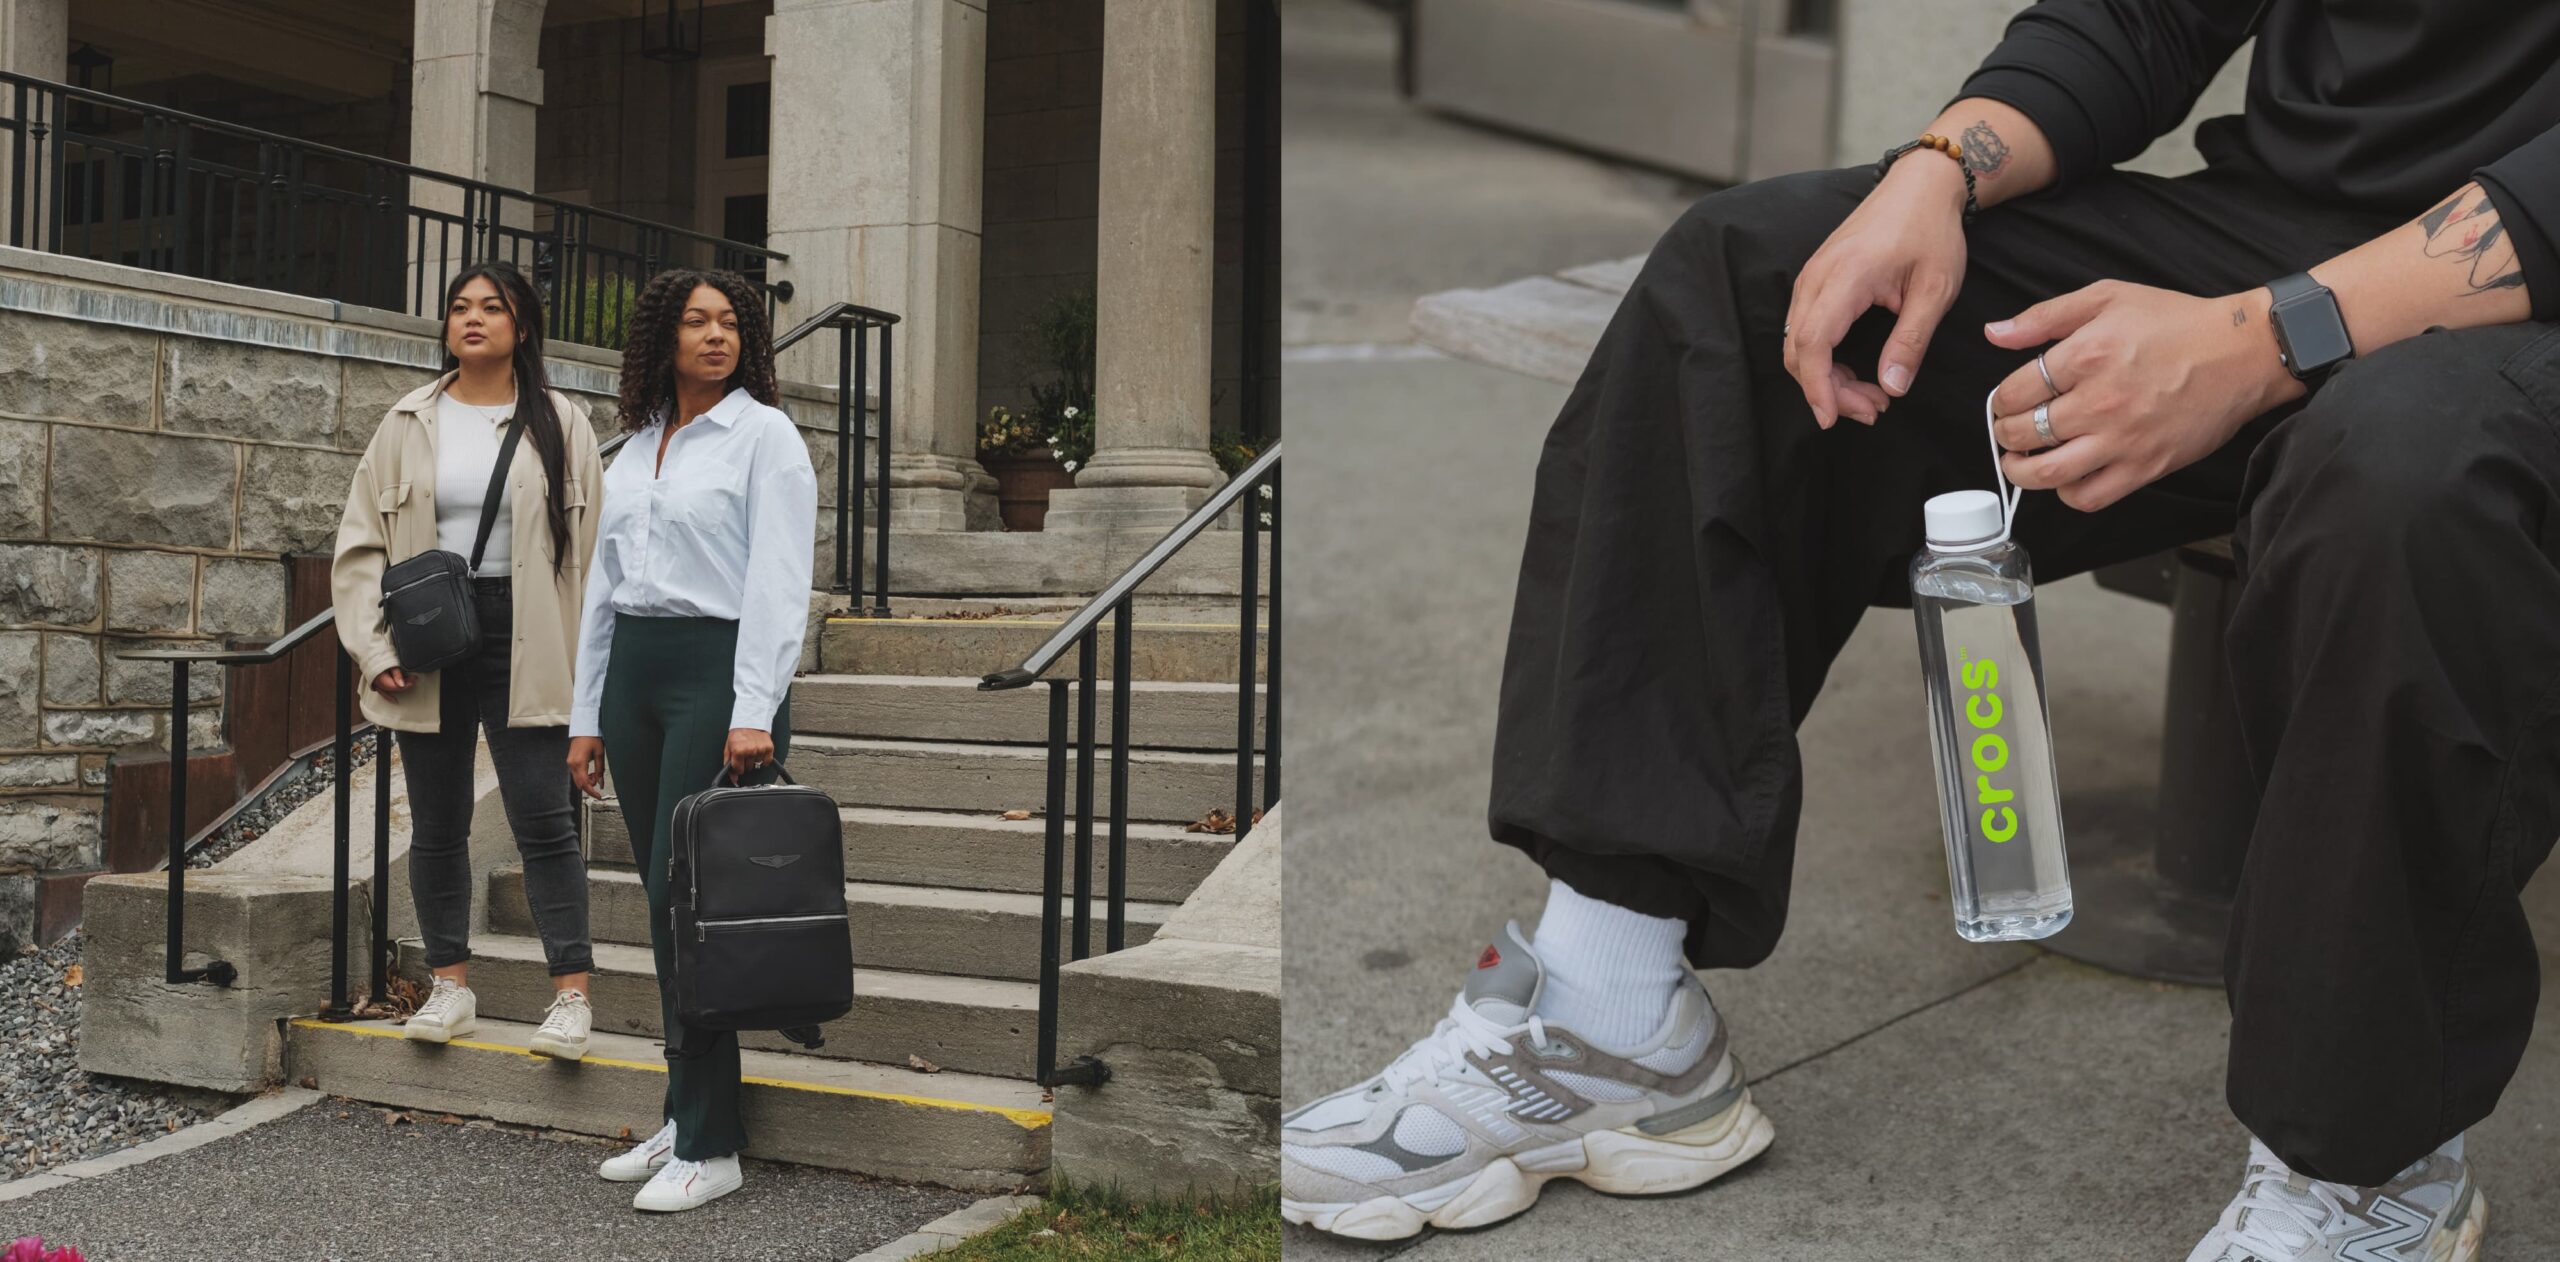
(533, 782)
(1699, 552)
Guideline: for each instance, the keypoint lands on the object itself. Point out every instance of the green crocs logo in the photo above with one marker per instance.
(1990, 752)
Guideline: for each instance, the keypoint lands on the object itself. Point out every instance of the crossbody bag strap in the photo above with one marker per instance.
(489, 499)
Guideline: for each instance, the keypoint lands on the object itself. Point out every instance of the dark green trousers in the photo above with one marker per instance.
(666, 722)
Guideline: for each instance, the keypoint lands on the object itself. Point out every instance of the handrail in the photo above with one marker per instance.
(1083, 620)
(1083, 631)
(239, 657)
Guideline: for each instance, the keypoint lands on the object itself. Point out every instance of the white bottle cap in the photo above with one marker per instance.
(1962, 519)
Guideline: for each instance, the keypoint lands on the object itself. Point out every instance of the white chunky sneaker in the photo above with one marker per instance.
(449, 1013)
(564, 1030)
(644, 1158)
(2430, 1212)
(1466, 1127)
(687, 1185)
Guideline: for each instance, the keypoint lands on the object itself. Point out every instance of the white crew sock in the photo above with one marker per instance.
(1611, 972)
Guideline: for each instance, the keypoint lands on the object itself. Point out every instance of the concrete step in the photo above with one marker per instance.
(1198, 716)
(958, 1129)
(969, 1024)
(970, 933)
(1166, 786)
(1173, 652)
(980, 852)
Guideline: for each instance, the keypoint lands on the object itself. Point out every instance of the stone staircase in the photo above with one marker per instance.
(944, 896)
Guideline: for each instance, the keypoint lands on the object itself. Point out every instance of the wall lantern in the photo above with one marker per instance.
(669, 39)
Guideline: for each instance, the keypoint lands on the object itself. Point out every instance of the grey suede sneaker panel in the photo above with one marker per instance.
(1507, 972)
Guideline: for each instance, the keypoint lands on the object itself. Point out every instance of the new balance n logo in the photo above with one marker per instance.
(2402, 1227)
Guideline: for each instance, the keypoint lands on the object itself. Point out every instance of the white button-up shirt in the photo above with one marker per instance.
(725, 528)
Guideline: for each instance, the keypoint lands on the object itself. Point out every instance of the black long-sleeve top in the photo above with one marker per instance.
(2388, 103)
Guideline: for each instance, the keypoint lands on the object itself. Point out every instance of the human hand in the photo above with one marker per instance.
(748, 749)
(586, 765)
(2151, 381)
(393, 682)
(1903, 250)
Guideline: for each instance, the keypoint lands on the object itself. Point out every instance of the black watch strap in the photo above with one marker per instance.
(2293, 286)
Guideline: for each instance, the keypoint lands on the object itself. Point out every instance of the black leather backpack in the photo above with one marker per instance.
(756, 888)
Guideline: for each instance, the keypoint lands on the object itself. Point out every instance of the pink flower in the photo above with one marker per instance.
(31, 1249)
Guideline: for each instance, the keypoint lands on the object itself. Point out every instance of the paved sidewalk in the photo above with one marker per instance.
(1933, 1099)
(336, 1182)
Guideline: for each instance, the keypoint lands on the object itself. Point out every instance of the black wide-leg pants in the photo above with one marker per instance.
(1699, 552)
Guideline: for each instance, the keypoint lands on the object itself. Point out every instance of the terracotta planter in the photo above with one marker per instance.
(1023, 484)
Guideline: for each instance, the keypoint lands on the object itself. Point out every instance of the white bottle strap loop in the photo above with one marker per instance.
(2007, 491)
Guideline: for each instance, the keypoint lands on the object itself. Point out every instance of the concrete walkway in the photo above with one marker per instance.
(1933, 1099)
(335, 1181)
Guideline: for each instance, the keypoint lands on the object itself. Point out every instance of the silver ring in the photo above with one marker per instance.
(2044, 424)
(2047, 374)
(1786, 331)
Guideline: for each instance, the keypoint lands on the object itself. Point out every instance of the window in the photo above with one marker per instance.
(750, 123)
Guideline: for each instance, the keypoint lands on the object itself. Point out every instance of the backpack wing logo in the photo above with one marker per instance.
(773, 860)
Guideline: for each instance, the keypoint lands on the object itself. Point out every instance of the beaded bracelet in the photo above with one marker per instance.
(1945, 145)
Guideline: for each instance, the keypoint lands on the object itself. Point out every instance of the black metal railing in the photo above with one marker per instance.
(854, 326)
(1255, 493)
(105, 177)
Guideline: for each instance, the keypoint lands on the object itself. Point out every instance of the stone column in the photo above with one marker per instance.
(35, 39)
(1154, 271)
(879, 125)
(475, 84)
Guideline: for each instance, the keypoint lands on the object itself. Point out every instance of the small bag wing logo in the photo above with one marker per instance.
(773, 860)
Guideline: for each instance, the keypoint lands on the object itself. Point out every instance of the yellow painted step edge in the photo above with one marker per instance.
(1027, 1119)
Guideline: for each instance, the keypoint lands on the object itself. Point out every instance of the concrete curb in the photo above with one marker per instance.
(951, 1229)
(239, 1120)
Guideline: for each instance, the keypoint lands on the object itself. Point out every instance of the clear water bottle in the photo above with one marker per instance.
(1997, 795)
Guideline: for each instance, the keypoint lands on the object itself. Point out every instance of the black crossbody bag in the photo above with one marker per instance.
(755, 881)
(426, 599)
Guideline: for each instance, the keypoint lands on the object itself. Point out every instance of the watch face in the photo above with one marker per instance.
(2313, 334)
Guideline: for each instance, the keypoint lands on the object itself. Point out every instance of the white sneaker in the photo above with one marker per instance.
(687, 1185)
(2430, 1212)
(644, 1158)
(564, 1031)
(1465, 1127)
(450, 1012)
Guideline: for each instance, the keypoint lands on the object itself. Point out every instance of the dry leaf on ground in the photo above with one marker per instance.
(919, 1062)
(1017, 814)
(71, 976)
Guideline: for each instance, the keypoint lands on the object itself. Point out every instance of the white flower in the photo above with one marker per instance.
(1266, 519)
(1071, 412)
(1071, 466)
(1265, 488)
(1055, 439)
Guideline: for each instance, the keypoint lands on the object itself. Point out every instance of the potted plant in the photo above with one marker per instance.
(1037, 449)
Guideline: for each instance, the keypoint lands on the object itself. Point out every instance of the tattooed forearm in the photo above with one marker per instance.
(2465, 229)
(1984, 150)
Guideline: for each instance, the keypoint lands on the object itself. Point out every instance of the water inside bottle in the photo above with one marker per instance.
(2000, 806)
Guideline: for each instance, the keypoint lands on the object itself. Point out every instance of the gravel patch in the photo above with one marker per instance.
(341, 1181)
(291, 790)
(51, 1111)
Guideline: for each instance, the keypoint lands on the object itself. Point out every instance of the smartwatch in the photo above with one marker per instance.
(2311, 337)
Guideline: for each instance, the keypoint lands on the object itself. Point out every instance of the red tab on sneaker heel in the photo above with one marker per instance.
(1490, 959)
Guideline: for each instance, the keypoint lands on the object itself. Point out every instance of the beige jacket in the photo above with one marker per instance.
(391, 516)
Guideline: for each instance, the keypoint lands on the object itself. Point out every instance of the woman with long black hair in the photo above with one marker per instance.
(421, 486)
(692, 630)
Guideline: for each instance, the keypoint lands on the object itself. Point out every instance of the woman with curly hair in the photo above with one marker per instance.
(695, 611)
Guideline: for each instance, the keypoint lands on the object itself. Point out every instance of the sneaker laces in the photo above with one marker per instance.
(564, 1009)
(2281, 1215)
(678, 1172)
(441, 1001)
(1462, 1032)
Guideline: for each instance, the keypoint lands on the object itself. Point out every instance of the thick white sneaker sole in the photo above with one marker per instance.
(1625, 1162)
(2464, 1245)
(556, 1047)
(420, 1033)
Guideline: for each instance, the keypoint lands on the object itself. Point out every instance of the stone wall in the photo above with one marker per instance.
(165, 445)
